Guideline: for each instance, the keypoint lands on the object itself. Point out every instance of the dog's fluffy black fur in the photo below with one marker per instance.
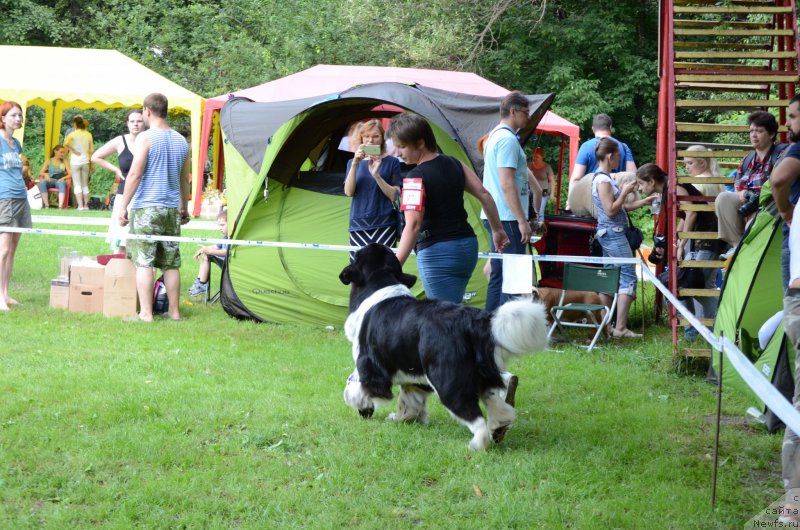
(428, 345)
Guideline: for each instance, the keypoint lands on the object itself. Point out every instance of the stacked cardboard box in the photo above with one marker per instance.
(119, 289)
(94, 288)
(86, 287)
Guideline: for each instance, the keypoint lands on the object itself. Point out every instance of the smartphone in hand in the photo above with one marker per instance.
(371, 150)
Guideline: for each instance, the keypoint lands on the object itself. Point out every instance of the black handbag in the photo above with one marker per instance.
(633, 235)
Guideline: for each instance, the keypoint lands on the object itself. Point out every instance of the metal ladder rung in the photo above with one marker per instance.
(713, 24)
(699, 353)
(735, 32)
(720, 45)
(696, 207)
(707, 322)
(698, 235)
(683, 65)
(712, 145)
(701, 264)
(705, 180)
(732, 10)
(733, 153)
(708, 293)
(731, 2)
(717, 127)
(759, 77)
(733, 103)
(735, 55)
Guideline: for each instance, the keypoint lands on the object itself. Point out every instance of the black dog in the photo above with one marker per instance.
(427, 346)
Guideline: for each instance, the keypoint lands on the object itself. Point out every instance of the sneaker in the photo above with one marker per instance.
(727, 255)
(198, 288)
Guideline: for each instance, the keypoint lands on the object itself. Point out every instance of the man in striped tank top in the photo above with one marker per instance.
(157, 188)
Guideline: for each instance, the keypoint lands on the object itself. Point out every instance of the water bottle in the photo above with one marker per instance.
(655, 206)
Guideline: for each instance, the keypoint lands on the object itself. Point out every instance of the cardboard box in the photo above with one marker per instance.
(119, 289)
(87, 273)
(59, 294)
(85, 298)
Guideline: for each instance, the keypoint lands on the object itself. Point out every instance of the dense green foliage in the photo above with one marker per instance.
(598, 56)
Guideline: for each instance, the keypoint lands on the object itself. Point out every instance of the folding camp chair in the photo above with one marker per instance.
(582, 278)
(219, 261)
(54, 189)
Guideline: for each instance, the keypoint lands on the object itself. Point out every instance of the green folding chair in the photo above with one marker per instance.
(593, 279)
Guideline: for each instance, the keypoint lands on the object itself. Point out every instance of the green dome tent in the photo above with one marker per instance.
(285, 184)
(751, 294)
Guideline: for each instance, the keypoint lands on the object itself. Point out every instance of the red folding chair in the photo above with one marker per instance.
(66, 195)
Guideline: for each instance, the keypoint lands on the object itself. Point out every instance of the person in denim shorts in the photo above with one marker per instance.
(612, 220)
(157, 189)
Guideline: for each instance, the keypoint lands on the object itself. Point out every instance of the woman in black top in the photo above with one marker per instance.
(652, 179)
(436, 221)
(123, 146)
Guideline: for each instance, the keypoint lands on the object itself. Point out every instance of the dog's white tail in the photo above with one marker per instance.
(519, 327)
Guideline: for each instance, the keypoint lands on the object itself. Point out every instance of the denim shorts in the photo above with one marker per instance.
(159, 221)
(615, 245)
(44, 185)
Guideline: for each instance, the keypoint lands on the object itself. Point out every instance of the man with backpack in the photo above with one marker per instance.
(737, 208)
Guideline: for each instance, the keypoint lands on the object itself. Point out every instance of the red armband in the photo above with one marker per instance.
(413, 196)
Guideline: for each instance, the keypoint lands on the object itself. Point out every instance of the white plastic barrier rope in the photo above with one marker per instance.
(106, 221)
(748, 372)
(757, 382)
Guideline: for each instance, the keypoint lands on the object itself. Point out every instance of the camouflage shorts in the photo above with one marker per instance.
(155, 220)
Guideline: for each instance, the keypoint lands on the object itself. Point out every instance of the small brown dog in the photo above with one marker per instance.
(550, 296)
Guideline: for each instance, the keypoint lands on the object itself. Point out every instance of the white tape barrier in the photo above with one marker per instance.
(748, 372)
(757, 382)
(283, 244)
(106, 221)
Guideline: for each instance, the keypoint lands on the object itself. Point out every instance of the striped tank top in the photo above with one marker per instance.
(160, 184)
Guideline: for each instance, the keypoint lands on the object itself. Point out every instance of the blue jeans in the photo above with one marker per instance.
(61, 185)
(494, 295)
(707, 303)
(446, 267)
(615, 245)
(785, 259)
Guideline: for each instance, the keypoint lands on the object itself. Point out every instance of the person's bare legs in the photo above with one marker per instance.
(61, 197)
(172, 281)
(624, 302)
(8, 248)
(145, 278)
(204, 271)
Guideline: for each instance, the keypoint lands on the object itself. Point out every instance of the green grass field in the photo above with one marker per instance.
(216, 423)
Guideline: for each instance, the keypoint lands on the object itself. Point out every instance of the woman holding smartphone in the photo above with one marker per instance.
(373, 181)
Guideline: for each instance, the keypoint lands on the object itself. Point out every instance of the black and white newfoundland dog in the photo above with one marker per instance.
(427, 346)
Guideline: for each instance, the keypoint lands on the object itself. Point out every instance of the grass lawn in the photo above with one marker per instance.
(216, 423)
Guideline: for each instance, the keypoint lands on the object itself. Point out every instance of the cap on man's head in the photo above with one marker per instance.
(602, 122)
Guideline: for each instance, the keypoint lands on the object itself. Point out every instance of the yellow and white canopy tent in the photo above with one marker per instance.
(56, 79)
